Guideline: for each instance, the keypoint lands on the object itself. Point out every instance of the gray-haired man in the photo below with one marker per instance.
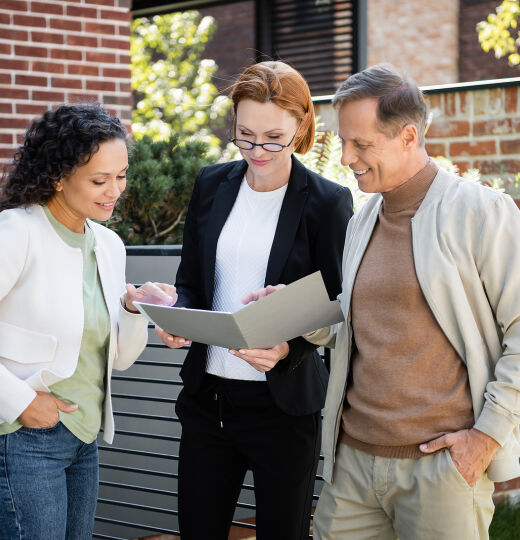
(423, 403)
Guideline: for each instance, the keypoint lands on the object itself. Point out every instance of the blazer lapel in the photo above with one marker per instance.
(222, 204)
(288, 221)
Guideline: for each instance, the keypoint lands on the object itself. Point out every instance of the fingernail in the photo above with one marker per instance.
(423, 447)
(182, 341)
(231, 352)
(241, 351)
(169, 338)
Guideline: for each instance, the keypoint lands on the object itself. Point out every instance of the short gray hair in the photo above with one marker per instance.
(400, 101)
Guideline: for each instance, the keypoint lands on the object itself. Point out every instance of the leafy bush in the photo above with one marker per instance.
(160, 181)
(172, 80)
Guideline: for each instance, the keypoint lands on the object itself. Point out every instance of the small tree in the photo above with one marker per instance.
(496, 32)
(172, 81)
(160, 181)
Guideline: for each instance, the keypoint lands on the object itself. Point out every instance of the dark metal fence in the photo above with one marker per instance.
(138, 473)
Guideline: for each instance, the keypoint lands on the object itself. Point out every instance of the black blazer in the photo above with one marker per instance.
(309, 236)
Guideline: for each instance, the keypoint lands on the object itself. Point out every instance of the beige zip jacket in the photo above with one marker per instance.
(466, 247)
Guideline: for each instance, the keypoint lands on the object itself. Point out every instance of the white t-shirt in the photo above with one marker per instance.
(243, 250)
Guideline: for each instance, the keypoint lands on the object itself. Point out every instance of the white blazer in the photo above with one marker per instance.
(41, 309)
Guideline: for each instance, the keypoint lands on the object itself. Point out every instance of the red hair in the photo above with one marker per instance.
(282, 85)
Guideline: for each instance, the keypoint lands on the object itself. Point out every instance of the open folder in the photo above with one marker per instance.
(299, 308)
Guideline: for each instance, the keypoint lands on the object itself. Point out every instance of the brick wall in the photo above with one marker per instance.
(477, 129)
(54, 51)
(419, 36)
(474, 63)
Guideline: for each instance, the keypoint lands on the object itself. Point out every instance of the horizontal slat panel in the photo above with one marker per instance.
(315, 38)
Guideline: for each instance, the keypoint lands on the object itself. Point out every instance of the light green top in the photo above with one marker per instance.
(86, 386)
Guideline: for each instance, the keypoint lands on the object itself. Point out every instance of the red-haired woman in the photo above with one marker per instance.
(262, 220)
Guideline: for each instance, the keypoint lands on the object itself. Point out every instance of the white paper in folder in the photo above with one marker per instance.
(299, 308)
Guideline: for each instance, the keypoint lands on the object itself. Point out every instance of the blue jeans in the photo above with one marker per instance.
(48, 485)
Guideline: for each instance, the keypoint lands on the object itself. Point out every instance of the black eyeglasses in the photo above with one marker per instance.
(243, 144)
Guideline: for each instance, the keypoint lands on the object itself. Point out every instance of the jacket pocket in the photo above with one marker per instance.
(26, 346)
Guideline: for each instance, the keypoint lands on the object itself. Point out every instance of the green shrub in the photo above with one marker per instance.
(160, 181)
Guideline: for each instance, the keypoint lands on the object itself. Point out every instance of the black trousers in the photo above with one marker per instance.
(231, 426)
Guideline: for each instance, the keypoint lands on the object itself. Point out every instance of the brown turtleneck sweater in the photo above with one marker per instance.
(407, 384)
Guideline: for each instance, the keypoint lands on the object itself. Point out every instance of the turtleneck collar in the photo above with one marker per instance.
(412, 192)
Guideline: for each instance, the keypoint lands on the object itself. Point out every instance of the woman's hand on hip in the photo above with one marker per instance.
(174, 342)
(263, 359)
(150, 293)
(43, 411)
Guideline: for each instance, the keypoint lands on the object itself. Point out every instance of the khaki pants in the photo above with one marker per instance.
(411, 499)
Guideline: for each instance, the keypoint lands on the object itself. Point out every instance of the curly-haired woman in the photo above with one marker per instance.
(65, 319)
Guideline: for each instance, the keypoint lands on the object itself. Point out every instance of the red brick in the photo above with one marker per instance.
(492, 127)
(100, 28)
(6, 138)
(496, 100)
(83, 98)
(48, 67)
(449, 129)
(5, 18)
(124, 87)
(30, 80)
(450, 104)
(498, 166)
(13, 123)
(40, 7)
(98, 57)
(8, 152)
(20, 138)
(47, 37)
(102, 2)
(66, 24)
(463, 103)
(115, 44)
(110, 14)
(15, 35)
(76, 84)
(6, 107)
(5, 48)
(82, 41)
(124, 59)
(463, 166)
(123, 30)
(510, 146)
(77, 11)
(14, 5)
(7, 63)
(5, 78)
(14, 93)
(435, 101)
(28, 20)
(121, 73)
(46, 95)
(477, 148)
(511, 99)
(107, 86)
(118, 100)
(28, 108)
(436, 149)
(83, 69)
(66, 54)
(24, 50)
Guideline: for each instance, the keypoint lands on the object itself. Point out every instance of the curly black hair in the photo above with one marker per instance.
(55, 145)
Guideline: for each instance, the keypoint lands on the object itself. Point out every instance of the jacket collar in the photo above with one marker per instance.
(290, 214)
